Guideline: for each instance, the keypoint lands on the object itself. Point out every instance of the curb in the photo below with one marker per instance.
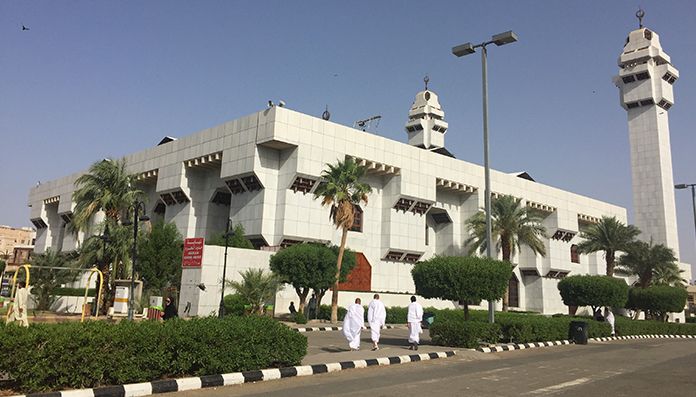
(311, 329)
(236, 378)
(610, 338)
(520, 346)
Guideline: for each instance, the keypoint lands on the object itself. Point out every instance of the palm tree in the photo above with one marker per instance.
(609, 235)
(107, 187)
(512, 226)
(653, 264)
(257, 287)
(342, 190)
(44, 280)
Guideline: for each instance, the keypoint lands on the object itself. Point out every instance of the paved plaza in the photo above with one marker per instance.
(621, 368)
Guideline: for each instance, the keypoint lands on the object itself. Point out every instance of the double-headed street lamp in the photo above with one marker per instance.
(221, 309)
(460, 51)
(693, 196)
(138, 207)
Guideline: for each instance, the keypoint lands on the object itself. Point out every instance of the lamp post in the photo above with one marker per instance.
(221, 310)
(138, 206)
(460, 51)
(693, 196)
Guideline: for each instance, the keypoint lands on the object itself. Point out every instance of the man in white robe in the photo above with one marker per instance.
(414, 318)
(376, 316)
(353, 324)
(609, 317)
(19, 306)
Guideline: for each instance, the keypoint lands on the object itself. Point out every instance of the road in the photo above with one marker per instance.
(648, 367)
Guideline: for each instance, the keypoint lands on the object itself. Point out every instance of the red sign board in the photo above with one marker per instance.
(193, 252)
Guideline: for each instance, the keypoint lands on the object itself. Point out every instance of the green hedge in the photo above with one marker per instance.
(467, 334)
(73, 355)
(325, 313)
(73, 292)
(625, 326)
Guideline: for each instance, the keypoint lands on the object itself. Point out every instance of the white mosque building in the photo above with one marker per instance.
(261, 171)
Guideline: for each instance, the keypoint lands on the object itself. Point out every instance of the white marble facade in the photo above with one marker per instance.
(262, 170)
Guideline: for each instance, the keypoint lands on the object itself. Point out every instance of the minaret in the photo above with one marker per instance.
(426, 126)
(645, 84)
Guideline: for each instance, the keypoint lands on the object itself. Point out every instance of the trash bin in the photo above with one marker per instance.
(577, 332)
(428, 319)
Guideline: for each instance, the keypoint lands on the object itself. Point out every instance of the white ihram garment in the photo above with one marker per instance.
(353, 323)
(20, 302)
(376, 316)
(414, 318)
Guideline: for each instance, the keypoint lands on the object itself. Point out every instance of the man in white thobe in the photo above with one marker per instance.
(353, 323)
(414, 318)
(19, 306)
(609, 317)
(376, 316)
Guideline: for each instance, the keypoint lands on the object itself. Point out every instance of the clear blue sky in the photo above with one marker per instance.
(95, 79)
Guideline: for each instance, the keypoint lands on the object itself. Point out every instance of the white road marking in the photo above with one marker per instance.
(559, 386)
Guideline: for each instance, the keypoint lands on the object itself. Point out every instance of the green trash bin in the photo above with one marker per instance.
(577, 332)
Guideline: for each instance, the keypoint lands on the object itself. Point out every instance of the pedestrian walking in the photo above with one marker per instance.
(414, 318)
(376, 317)
(312, 306)
(170, 311)
(292, 309)
(353, 324)
(18, 311)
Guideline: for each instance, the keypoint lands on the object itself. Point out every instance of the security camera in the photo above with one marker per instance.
(281, 103)
(201, 286)
(270, 104)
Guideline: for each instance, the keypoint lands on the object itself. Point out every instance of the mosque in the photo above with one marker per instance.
(261, 171)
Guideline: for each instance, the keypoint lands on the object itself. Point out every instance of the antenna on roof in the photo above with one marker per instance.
(369, 123)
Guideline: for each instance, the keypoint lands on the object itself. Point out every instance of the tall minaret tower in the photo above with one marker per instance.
(426, 126)
(645, 84)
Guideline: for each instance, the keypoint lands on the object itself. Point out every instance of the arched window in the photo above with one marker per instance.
(574, 254)
(357, 219)
(514, 292)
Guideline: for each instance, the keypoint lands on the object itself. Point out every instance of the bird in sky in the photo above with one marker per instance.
(24, 27)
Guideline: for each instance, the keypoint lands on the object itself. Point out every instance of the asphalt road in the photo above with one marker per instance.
(648, 367)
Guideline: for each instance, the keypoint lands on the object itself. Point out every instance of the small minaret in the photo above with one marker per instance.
(426, 126)
(645, 84)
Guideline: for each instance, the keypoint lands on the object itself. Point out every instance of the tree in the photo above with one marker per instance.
(342, 190)
(647, 261)
(465, 279)
(237, 239)
(257, 287)
(609, 235)
(44, 281)
(512, 226)
(159, 256)
(305, 266)
(594, 291)
(657, 301)
(107, 187)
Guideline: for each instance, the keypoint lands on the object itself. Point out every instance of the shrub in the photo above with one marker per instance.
(74, 355)
(73, 292)
(465, 279)
(462, 333)
(234, 305)
(325, 313)
(657, 300)
(300, 318)
(626, 326)
(537, 328)
(595, 291)
(691, 319)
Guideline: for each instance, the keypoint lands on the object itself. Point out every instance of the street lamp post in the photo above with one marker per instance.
(221, 310)
(138, 206)
(693, 196)
(460, 51)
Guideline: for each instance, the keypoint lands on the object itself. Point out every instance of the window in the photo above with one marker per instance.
(357, 219)
(426, 235)
(514, 292)
(574, 254)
